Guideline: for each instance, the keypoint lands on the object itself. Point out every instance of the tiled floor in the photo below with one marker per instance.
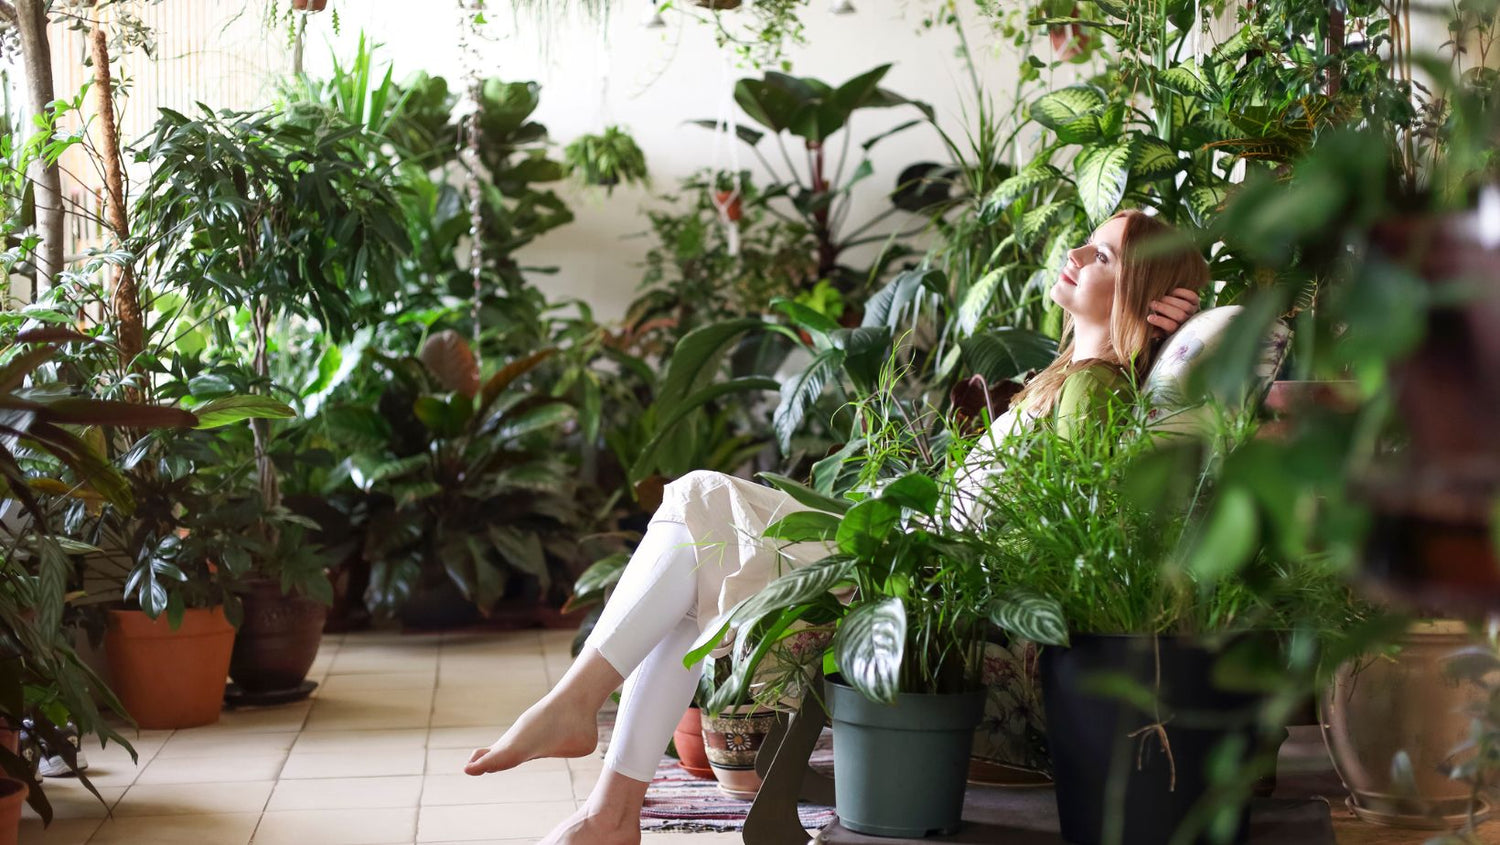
(373, 758)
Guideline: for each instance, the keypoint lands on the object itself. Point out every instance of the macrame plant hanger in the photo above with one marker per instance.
(726, 140)
(466, 110)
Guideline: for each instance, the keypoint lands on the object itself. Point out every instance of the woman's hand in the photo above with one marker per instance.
(1172, 310)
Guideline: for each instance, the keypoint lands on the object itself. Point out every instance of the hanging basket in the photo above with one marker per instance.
(309, 5)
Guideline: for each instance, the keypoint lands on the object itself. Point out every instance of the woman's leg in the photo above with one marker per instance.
(653, 701)
(656, 594)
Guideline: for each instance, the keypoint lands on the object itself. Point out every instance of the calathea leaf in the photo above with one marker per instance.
(1102, 173)
(869, 647)
(802, 585)
(1032, 617)
(799, 394)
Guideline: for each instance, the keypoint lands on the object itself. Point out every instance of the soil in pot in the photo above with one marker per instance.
(1095, 738)
(688, 740)
(278, 639)
(12, 798)
(900, 769)
(169, 679)
(731, 741)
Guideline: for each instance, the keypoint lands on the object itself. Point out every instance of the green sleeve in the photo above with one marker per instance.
(1086, 395)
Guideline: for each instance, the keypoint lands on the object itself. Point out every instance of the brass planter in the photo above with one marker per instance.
(1377, 707)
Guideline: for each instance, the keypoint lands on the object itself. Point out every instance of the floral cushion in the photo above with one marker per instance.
(1166, 387)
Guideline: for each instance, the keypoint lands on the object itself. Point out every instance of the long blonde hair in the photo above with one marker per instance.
(1146, 275)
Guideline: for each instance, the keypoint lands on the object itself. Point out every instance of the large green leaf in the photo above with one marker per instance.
(799, 393)
(1007, 353)
(1102, 173)
(869, 647)
(1204, 202)
(444, 416)
(1187, 79)
(233, 409)
(803, 527)
(1153, 158)
(916, 491)
(1031, 616)
(866, 349)
(866, 527)
(696, 358)
(976, 301)
(680, 410)
(1023, 183)
(1228, 538)
(1059, 110)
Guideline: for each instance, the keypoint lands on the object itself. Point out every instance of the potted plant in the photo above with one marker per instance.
(907, 648)
(608, 159)
(1121, 554)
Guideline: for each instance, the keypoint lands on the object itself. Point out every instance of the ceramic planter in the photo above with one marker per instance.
(731, 740)
(169, 679)
(278, 639)
(1091, 739)
(1377, 707)
(688, 740)
(900, 769)
(12, 798)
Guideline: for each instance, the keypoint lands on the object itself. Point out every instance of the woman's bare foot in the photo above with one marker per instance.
(550, 728)
(584, 829)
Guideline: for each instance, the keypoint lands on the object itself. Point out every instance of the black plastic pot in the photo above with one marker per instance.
(439, 607)
(901, 769)
(1104, 775)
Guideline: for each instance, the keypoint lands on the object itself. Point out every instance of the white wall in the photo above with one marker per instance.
(658, 78)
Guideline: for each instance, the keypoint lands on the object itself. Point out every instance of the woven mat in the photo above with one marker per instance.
(680, 801)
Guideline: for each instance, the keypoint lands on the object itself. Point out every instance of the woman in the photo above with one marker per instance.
(703, 552)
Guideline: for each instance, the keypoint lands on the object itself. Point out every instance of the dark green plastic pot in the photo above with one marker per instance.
(901, 769)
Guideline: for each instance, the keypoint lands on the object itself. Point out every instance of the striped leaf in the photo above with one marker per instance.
(800, 586)
(799, 394)
(1061, 109)
(1032, 617)
(1188, 79)
(1039, 219)
(1152, 158)
(1022, 184)
(869, 647)
(1205, 202)
(1102, 174)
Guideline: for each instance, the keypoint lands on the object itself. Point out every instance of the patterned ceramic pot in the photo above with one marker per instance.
(733, 739)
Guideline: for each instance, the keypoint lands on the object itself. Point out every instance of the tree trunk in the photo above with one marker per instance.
(129, 324)
(270, 485)
(31, 21)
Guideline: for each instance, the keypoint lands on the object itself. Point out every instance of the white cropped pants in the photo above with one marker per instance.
(646, 629)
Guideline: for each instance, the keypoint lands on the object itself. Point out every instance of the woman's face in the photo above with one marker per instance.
(1086, 288)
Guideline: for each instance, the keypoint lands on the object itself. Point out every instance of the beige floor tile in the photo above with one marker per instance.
(175, 799)
(343, 685)
(213, 769)
(346, 793)
(499, 788)
(71, 801)
(113, 767)
(337, 827)
(490, 821)
(343, 765)
(190, 744)
(372, 711)
(360, 742)
(287, 717)
(464, 737)
(60, 832)
(218, 829)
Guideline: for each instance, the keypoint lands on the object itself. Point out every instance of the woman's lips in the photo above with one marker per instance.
(1069, 279)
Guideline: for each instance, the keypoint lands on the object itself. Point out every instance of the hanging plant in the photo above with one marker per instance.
(607, 159)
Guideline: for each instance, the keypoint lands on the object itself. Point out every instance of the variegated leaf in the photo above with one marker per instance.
(1032, 617)
(1102, 175)
(869, 647)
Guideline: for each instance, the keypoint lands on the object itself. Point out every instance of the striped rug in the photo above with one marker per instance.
(680, 801)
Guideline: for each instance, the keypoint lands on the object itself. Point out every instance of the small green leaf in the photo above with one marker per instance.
(915, 491)
(233, 409)
(804, 494)
(803, 527)
(866, 527)
(1229, 537)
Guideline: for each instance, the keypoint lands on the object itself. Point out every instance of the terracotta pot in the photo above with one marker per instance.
(12, 798)
(688, 740)
(1068, 40)
(309, 5)
(732, 204)
(278, 640)
(1377, 707)
(732, 739)
(169, 679)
